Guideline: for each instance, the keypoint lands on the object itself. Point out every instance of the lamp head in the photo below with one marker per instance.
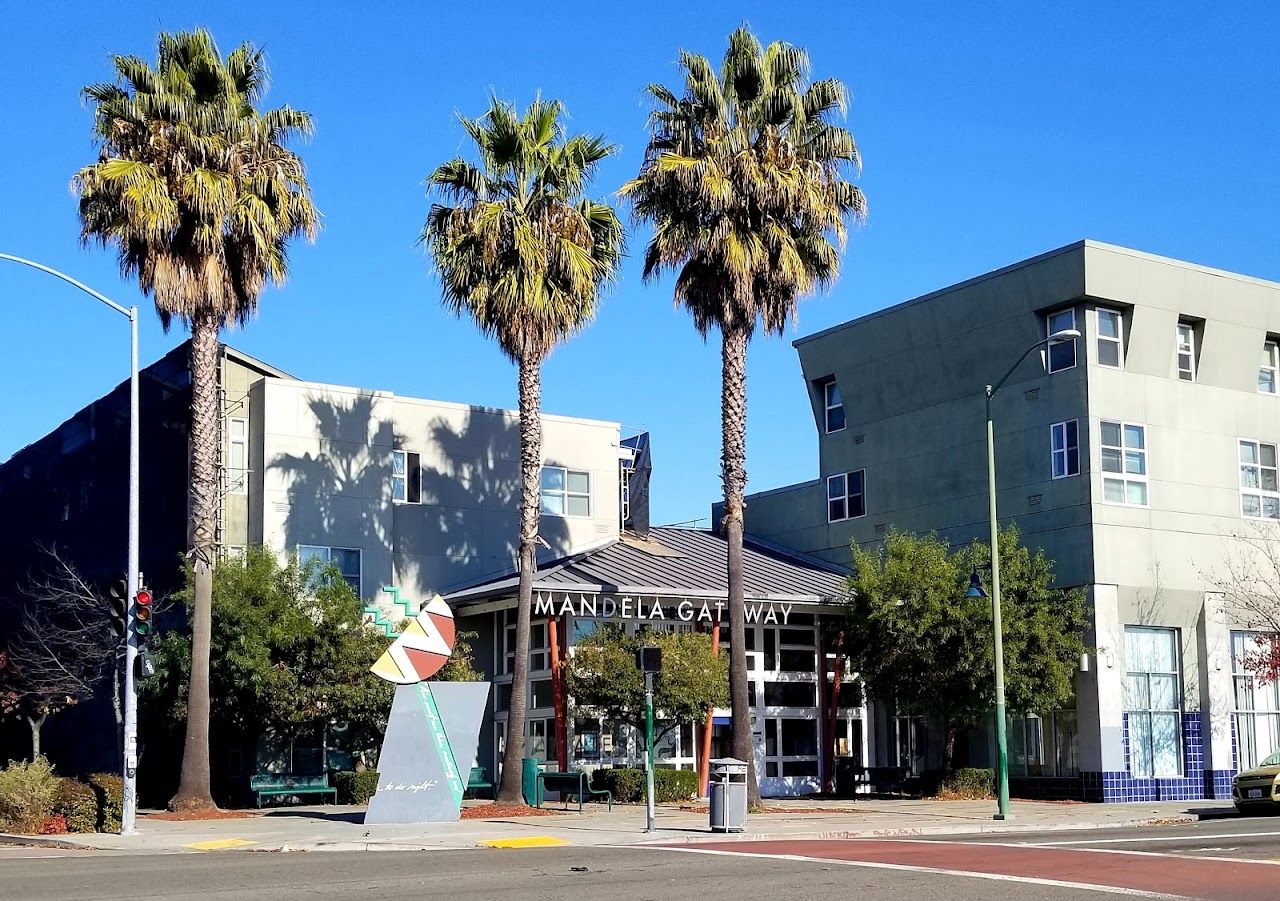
(1067, 334)
(975, 589)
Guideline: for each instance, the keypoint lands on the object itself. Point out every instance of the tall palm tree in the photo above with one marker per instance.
(521, 251)
(744, 183)
(199, 195)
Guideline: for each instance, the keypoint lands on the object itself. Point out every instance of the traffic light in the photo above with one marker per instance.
(118, 607)
(142, 616)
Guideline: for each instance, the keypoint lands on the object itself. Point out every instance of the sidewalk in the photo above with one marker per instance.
(332, 828)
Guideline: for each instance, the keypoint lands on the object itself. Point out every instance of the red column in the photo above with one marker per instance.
(557, 693)
(704, 759)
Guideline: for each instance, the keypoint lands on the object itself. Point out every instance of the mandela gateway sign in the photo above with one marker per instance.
(626, 607)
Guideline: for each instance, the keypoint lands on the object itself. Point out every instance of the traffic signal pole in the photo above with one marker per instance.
(129, 808)
(130, 805)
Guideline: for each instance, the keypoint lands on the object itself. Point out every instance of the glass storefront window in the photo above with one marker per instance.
(1153, 701)
(1257, 702)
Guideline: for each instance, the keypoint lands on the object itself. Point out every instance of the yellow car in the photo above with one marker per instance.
(1255, 790)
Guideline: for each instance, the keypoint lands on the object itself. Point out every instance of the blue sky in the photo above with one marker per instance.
(990, 132)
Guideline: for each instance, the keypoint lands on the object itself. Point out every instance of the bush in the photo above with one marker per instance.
(627, 784)
(27, 795)
(355, 788)
(77, 804)
(969, 784)
(109, 789)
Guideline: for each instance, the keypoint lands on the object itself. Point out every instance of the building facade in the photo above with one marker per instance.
(1141, 457)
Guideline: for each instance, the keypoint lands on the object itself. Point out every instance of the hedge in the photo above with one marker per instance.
(627, 784)
(77, 803)
(109, 789)
(970, 783)
(355, 788)
(27, 795)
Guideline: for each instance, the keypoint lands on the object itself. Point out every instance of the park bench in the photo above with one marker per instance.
(570, 782)
(277, 784)
(478, 780)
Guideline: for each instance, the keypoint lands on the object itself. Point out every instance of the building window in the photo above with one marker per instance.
(406, 477)
(1064, 443)
(1153, 702)
(1257, 700)
(237, 456)
(565, 492)
(846, 496)
(235, 552)
(1124, 463)
(833, 404)
(1063, 354)
(1267, 368)
(1186, 352)
(1259, 491)
(1110, 338)
(1044, 745)
(345, 559)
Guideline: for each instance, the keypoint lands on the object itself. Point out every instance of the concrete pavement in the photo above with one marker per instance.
(331, 828)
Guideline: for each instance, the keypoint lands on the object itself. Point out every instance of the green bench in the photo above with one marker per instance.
(478, 780)
(570, 782)
(276, 784)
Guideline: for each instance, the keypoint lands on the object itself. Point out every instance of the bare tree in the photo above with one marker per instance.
(1249, 582)
(62, 650)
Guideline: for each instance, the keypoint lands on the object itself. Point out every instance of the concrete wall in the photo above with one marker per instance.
(327, 452)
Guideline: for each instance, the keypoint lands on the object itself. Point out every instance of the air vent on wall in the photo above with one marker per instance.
(1033, 500)
(858, 439)
(880, 527)
(1032, 394)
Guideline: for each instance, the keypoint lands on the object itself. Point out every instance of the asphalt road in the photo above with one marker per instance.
(1229, 860)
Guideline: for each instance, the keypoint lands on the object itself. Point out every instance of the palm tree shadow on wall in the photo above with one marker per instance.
(465, 528)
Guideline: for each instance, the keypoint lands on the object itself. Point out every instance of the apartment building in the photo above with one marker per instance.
(1137, 456)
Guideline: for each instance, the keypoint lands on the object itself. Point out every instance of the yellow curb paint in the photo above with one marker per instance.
(532, 841)
(220, 845)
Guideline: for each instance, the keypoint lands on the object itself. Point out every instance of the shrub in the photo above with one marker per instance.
(355, 788)
(627, 784)
(969, 784)
(109, 789)
(55, 825)
(27, 795)
(77, 804)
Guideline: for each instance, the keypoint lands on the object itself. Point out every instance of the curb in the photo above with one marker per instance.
(39, 841)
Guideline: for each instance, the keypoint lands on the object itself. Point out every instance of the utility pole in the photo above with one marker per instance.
(130, 800)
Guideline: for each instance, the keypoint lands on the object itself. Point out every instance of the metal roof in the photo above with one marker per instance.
(675, 562)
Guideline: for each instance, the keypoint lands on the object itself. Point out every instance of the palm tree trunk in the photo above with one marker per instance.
(530, 478)
(194, 791)
(733, 472)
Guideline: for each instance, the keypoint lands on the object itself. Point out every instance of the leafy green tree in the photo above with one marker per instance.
(521, 251)
(461, 665)
(744, 183)
(199, 195)
(918, 640)
(602, 675)
(293, 654)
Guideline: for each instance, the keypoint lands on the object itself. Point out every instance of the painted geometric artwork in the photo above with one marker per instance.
(422, 648)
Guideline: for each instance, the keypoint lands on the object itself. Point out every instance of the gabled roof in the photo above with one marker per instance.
(674, 562)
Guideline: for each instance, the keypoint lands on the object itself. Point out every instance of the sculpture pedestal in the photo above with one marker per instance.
(427, 752)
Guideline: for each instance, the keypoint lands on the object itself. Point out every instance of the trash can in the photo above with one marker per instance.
(727, 790)
(530, 768)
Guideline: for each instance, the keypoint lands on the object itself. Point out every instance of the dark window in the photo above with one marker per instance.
(789, 694)
(540, 693)
(799, 738)
(798, 661)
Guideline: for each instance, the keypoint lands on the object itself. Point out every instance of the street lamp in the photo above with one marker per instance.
(975, 584)
(130, 799)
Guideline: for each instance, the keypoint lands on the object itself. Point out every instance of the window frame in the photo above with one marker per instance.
(1247, 687)
(845, 495)
(828, 387)
(564, 493)
(1187, 349)
(412, 463)
(328, 559)
(1050, 330)
(1100, 339)
(1261, 493)
(1065, 451)
(239, 483)
(1124, 477)
(1149, 711)
(1271, 348)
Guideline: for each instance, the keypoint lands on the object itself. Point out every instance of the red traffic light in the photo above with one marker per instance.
(143, 597)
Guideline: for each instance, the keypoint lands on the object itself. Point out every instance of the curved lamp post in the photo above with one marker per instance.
(130, 800)
(975, 583)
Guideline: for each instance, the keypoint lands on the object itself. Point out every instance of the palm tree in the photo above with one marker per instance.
(521, 251)
(199, 196)
(743, 181)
